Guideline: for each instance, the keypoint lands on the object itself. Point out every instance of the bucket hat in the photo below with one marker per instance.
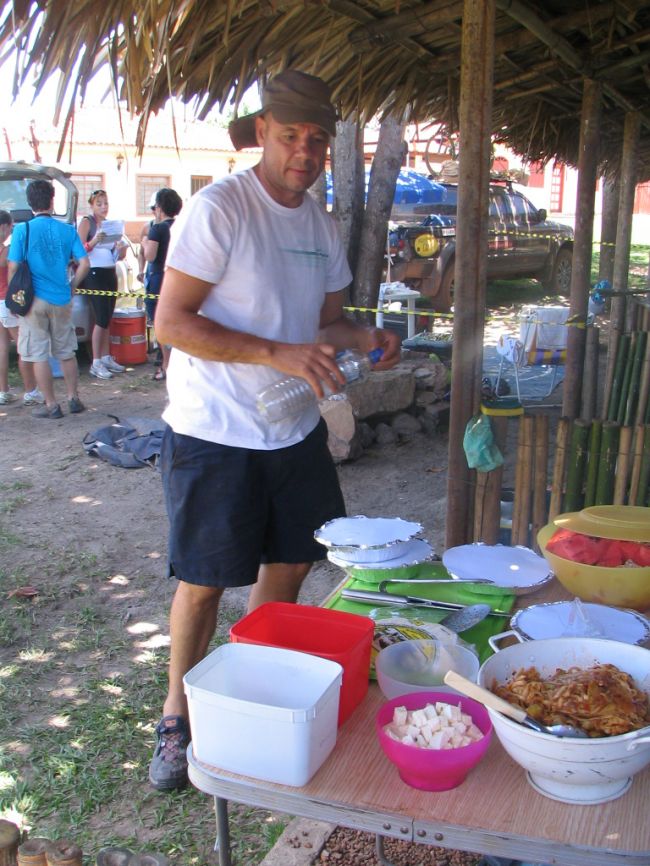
(291, 97)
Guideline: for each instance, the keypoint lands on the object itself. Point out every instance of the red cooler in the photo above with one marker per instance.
(342, 637)
(128, 336)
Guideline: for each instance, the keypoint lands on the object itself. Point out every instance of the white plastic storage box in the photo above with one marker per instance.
(265, 712)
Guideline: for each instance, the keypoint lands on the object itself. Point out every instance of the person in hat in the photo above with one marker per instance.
(252, 293)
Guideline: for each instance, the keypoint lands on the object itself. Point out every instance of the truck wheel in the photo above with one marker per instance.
(445, 297)
(561, 283)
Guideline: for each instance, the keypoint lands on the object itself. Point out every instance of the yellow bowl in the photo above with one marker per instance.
(619, 587)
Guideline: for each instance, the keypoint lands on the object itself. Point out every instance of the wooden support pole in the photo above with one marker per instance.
(521, 511)
(607, 463)
(559, 467)
(540, 476)
(588, 157)
(475, 120)
(623, 463)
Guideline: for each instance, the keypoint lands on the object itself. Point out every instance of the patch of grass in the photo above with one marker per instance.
(77, 742)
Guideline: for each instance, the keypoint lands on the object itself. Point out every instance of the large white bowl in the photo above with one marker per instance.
(587, 771)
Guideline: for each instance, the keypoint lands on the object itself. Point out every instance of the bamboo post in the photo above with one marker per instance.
(590, 376)
(644, 474)
(557, 483)
(617, 379)
(523, 482)
(32, 852)
(644, 386)
(622, 465)
(487, 501)
(637, 455)
(593, 458)
(9, 842)
(607, 463)
(633, 390)
(62, 852)
(613, 348)
(578, 444)
(539, 476)
(627, 378)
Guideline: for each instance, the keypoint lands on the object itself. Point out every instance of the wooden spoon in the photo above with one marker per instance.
(494, 702)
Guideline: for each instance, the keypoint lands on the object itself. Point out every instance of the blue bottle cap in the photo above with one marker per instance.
(375, 355)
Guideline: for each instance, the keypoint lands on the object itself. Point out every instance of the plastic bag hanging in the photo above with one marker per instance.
(481, 450)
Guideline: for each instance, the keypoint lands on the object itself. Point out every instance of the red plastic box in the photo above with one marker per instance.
(342, 637)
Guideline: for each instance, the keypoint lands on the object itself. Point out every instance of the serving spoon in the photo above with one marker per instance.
(494, 702)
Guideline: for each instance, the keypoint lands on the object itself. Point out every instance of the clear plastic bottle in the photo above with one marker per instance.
(293, 395)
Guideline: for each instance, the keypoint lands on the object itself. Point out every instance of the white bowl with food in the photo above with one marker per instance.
(583, 771)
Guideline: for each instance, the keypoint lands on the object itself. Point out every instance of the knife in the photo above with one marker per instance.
(388, 598)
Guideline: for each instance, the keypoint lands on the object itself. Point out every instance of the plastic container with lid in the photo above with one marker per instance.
(264, 712)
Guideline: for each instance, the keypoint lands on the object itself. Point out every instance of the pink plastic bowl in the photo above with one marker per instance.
(433, 769)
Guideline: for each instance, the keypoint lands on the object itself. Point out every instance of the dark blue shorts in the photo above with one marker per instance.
(231, 509)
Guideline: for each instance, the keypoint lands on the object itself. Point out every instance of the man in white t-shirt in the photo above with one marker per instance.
(253, 292)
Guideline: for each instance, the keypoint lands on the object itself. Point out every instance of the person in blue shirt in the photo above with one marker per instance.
(47, 330)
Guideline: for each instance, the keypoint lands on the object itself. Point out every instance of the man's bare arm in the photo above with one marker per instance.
(179, 324)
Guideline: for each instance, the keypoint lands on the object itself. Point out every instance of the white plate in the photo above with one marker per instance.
(367, 539)
(566, 619)
(413, 553)
(517, 569)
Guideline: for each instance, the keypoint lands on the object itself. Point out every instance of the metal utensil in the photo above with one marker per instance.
(494, 702)
(384, 583)
(461, 620)
(393, 600)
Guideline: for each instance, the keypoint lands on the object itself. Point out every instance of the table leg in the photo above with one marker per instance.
(222, 841)
(379, 850)
(410, 317)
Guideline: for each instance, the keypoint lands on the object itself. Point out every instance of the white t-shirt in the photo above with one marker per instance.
(271, 267)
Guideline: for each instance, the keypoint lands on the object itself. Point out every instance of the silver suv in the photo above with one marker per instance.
(14, 178)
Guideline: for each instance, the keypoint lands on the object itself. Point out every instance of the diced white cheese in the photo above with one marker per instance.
(418, 718)
(436, 740)
(399, 715)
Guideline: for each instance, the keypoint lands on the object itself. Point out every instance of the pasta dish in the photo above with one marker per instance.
(601, 700)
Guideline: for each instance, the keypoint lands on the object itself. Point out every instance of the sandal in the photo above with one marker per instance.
(159, 375)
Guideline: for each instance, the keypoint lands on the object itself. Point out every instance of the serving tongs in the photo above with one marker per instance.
(390, 599)
(432, 580)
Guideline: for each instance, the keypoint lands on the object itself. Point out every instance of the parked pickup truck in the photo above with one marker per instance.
(522, 242)
(14, 177)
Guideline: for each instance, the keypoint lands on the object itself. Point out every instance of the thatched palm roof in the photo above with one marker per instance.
(378, 55)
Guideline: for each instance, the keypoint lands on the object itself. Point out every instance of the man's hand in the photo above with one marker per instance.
(314, 362)
(388, 341)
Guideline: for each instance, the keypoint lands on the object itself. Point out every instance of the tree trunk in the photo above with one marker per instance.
(381, 191)
(348, 179)
(608, 228)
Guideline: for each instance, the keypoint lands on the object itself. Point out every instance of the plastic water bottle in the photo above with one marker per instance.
(293, 395)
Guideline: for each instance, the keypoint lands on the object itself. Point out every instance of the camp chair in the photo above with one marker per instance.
(542, 343)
